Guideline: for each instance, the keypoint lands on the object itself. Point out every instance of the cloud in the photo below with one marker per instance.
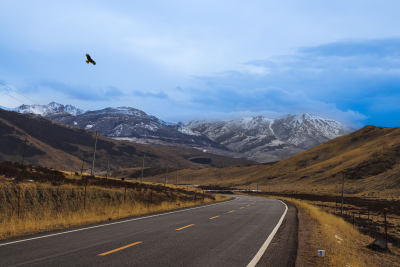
(150, 94)
(353, 81)
(379, 47)
(226, 56)
(76, 92)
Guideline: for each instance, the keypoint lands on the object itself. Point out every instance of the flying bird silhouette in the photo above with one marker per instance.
(90, 60)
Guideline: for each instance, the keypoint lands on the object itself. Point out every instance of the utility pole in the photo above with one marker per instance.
(341, 207)
(176, 182)
(83, 161)
(108, 168)
(141, 179)
(23, 151)
(166, 180)
(94, 156)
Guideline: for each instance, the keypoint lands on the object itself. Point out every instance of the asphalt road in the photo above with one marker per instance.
(223, 234)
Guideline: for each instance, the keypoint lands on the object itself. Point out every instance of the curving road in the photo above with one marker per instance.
(223, 234)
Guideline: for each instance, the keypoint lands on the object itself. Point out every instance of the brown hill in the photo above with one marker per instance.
(369, 159)
(58, 146)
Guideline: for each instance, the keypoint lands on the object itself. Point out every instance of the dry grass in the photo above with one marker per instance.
(369, 159)
(344, 245)
(44, 207)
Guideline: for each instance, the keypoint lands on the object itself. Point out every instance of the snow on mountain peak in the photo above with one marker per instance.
(49, 109)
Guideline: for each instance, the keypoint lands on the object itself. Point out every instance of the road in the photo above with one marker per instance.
(224, 234)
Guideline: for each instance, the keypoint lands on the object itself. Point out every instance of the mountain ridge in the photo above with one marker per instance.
(257, 138)
(61, 146)
(280, 137)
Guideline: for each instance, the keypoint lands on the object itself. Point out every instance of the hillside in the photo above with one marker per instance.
(266, 140)
(54, 145)
(256, 138)
(369, 159)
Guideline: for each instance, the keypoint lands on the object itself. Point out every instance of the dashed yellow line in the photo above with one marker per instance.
(121, 248)
(232, 211)
(215, 217)
(190, 225)
(241, 208)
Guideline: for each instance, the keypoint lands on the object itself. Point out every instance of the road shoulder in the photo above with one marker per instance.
(282, 251)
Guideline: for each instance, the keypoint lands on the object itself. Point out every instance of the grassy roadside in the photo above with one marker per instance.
(45, 207)
(344, 245)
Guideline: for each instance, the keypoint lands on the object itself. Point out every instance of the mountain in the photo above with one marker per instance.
(256, 138)
(126, 123)
(59, 146)
(50, 109)
(368, 159)
(266, 140)
(5, 108)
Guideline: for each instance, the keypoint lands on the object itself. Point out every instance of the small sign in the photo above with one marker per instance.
(321, 253)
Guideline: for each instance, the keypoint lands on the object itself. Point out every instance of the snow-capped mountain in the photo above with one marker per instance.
(265, 139)
(257, 138)
(5, 108)
(49, 109)
(131, 124)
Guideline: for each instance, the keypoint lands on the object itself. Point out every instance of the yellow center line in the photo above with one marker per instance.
(190, 225)
(215, 217)
(241, 207)
(121, 248)
(232, 211)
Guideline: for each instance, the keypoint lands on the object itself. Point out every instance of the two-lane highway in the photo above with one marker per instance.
(223, 234)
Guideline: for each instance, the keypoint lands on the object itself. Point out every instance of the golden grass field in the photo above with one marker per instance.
(45, 207)
(369, 159)
(344, 245)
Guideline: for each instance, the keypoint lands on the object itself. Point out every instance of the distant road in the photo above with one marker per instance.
(223, 234)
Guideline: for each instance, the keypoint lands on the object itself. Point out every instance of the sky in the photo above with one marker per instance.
(184, 60)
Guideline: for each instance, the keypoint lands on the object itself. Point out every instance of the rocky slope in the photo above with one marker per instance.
(131, 124)
(267, 140)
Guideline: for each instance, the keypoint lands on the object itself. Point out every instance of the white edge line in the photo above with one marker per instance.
(264, 247)
(107, 224)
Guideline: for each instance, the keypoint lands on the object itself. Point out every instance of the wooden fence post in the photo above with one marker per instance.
(84, 197)
(19, 200)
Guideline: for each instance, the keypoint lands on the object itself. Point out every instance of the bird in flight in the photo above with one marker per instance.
(90, 60)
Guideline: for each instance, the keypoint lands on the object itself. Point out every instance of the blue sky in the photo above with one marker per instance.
(182, 60)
